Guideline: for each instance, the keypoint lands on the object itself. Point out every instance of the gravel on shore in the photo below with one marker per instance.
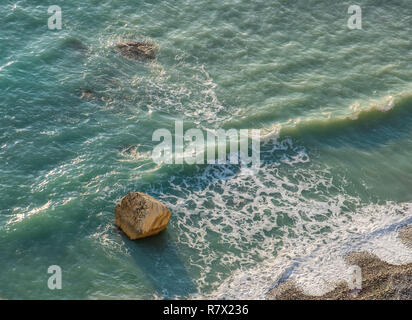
(380, 280)
(405, 235)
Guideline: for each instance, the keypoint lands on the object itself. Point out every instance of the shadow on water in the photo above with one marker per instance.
(160, 260)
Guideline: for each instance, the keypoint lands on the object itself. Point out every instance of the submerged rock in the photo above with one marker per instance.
(75, 44)
(136, 50)
(140, 215)
(87, 94)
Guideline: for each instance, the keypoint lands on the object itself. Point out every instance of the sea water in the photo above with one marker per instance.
(333, 105)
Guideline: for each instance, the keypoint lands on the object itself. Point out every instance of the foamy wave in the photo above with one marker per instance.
(249, 218)
(316, 265)
(359, 114)
(384, 105)
(291, 220)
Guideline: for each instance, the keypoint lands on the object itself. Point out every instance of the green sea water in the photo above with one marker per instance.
(333, 106)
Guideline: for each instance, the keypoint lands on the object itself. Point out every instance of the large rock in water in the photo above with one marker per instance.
(140, 215)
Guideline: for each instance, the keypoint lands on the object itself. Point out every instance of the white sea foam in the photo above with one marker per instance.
(184, 88)
(317, 265)
(295, 223)
(6, 65)
(383, 105)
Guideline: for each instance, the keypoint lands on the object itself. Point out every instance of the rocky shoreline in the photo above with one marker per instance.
(380, 280)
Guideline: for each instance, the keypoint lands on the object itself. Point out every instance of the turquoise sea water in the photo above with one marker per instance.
(333, 104)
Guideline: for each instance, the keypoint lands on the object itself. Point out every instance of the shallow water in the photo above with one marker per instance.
(334, 106)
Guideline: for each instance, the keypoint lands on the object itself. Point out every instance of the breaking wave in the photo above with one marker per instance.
(378, 112)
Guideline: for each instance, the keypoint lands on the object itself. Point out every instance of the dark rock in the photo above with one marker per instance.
(136, 50)
(87, 94)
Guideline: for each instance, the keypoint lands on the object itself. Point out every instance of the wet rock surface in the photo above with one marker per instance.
(136, 50)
